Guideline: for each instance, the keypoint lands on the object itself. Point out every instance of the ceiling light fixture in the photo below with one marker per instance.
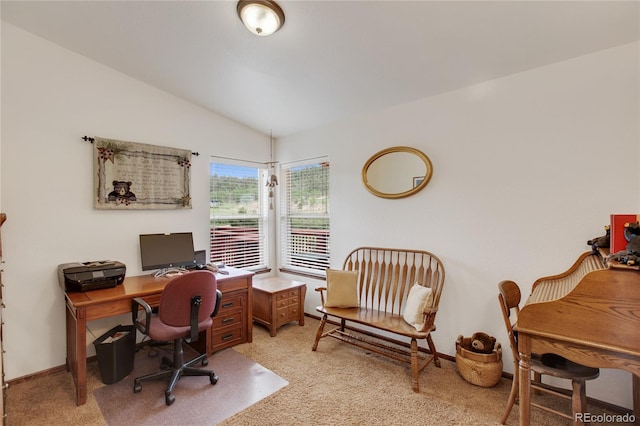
(261, 17)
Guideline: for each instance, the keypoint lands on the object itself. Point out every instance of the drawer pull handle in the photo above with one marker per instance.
(227, 305)
(227, 336)
(227, 320)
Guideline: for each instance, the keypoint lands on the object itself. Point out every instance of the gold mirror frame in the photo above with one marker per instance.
(397, 149)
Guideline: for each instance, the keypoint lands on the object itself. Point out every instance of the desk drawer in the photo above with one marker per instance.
(230, 302)
(226, 337)
(227, 319)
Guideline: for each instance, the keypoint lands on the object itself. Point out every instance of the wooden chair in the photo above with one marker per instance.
(549, 364)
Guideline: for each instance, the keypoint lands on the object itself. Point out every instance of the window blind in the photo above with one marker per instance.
(238, 214)
(304, 217)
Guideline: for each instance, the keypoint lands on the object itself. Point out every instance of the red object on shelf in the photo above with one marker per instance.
(617, 240)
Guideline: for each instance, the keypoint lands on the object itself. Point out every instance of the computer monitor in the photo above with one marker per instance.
(201, 257)
(165, 251)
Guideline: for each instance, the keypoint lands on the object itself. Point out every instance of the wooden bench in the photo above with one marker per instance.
(385, 277)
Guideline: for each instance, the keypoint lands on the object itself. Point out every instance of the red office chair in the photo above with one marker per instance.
(186, 307)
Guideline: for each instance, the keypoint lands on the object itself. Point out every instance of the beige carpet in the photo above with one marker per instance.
(241, 380)
(337, 385)
(343, 385)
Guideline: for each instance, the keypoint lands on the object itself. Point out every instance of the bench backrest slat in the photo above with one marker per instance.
(386, 276)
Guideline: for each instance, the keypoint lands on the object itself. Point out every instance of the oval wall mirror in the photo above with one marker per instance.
(397, 172)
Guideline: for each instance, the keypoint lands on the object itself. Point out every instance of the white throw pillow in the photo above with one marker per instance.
(341, 289)
(418, 299)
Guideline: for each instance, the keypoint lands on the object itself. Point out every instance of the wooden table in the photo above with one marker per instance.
(278, 301)
(597, 324)
(232, 325)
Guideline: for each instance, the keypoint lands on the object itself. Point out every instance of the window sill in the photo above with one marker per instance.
(319, 276)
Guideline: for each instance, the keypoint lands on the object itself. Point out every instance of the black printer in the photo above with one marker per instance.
(93, 275)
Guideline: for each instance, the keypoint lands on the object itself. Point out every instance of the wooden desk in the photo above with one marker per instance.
(595, 324)
(232, 325)
(278, 301)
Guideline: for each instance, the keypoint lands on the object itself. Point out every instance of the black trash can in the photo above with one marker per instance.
(116, 350)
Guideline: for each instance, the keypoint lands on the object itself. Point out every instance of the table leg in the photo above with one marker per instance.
(249, 318)
(77, 351)
(636, 399)
(70, 325)
(273, 297)
(524, 390)
(303, 293)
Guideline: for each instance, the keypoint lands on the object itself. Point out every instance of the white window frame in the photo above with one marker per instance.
(223, 252)
(304, 254)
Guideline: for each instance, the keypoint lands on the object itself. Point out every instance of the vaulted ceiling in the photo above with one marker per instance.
(332, 59)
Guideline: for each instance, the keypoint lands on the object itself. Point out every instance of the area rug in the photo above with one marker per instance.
(242, 382)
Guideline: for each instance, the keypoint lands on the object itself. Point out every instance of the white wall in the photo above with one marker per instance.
(52, 97)
(527, 168)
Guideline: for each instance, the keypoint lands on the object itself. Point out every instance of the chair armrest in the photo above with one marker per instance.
(429, 318)
(321, 290)
(218, 300)
(430, 311)
(136, 304)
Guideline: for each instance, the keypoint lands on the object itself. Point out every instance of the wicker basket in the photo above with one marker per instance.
(479, 369)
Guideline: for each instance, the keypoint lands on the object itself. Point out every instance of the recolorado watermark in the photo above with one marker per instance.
(605, 418)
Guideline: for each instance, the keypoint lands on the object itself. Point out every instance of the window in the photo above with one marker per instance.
(238, 214)
(304, 217)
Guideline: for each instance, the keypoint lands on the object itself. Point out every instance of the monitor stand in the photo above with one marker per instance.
(169, 272)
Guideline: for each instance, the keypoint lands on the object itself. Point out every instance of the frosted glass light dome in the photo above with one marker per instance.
(261, 17)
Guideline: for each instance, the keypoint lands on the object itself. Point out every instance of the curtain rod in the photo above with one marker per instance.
(319, 157)
(91, 140)
(237, 159)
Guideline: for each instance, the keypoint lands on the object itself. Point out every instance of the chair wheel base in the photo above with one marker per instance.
(169, 398)
(213, 378)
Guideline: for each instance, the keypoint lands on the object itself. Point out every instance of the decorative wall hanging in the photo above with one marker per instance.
(272, 182)
(130, 175)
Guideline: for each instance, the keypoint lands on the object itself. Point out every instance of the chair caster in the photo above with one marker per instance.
(169, 398)
(205, 362)
(166, 364)
(213, 378)
(137, 387)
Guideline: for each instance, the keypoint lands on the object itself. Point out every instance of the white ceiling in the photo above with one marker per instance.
(332, 59)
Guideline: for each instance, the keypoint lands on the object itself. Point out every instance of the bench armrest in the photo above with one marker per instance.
(321, 290)
(429, 319)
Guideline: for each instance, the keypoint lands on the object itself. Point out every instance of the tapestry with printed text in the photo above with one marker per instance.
(130, 175)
